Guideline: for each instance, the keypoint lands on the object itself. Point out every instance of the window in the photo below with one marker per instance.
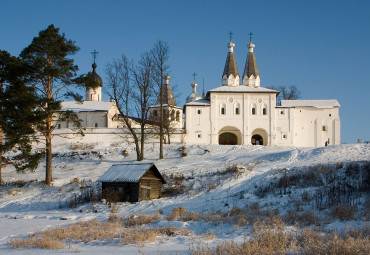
(178, 116)
(282, 112)
(237, 109)
(284, 136)
(324, 128)
(200, 135)
(254, 109)
(58, 126)
(155, 113)
(96, 124)
(329, 114)
(223, 109)
(199, 111)
(173, 113)
(264, 110)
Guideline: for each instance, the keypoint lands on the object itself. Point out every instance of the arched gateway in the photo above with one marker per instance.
(229, 136)
(259, 137)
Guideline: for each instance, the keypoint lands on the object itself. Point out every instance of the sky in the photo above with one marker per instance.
(320, 46)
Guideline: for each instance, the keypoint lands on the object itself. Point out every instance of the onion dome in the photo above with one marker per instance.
(93, 80)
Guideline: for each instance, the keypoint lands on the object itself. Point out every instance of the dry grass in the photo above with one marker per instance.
(270, 237)
(138, 220)
(176, 213)
(36, 242)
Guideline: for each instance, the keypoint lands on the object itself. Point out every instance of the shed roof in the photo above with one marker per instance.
(320, 103)
(129, 172)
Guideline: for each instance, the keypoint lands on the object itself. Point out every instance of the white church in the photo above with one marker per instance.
(240, 112)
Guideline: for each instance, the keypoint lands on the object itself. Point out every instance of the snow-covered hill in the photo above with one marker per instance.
(214, 180)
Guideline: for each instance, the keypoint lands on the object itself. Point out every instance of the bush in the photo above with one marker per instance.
(177, 212)
(344, 212)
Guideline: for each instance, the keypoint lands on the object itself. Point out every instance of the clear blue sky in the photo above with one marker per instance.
(321, 46)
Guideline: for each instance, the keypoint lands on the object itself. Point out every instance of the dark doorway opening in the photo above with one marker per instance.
(228, 139)
(257, 140)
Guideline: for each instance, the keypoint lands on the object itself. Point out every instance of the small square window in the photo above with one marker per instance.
(329, 114)
(323, 128)
(199, 135)
(199, 111)
(284, 136)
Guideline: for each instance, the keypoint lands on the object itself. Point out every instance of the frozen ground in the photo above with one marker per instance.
(31, 207)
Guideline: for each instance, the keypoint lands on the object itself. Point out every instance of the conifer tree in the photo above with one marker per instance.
(18, 113)
(51, 73)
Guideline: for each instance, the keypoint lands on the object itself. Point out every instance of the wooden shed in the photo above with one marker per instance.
(131, 182)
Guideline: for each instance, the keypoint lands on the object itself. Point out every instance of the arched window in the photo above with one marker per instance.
(254, 111)
(178, 116)
(223, 109)
(173, 112)
(237, 108)
(264, 110)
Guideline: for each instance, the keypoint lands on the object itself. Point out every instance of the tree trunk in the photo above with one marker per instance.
(49, 160)
(48, 152)
(142, 139)
(161, 136)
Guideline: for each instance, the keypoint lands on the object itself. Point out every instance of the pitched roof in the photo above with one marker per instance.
(243, 88)
(251, 66)
(199, 102)
(168, 97)
(128, 172)
(230, 65)
(86, 106)
(320, 103)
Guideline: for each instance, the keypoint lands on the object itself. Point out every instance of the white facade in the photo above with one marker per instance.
(247, 114)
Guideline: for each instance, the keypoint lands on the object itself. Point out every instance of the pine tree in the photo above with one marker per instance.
(17, 113)
(51, 72)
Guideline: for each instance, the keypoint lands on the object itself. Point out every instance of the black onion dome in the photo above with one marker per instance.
(93, 80)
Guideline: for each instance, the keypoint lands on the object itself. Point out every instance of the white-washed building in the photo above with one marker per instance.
(247, 113)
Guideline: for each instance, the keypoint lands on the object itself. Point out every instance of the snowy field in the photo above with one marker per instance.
(28, 206)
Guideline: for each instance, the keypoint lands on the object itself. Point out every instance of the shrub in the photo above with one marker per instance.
(36, 242)
(138, 220)
(344, 212)
(177, 212)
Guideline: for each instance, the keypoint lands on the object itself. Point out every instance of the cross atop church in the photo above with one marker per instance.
(194, 75)
(94, 54)
(250, 36)
(231, 35)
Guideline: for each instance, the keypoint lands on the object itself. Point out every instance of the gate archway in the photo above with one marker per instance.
(259, 137)
(229, 136)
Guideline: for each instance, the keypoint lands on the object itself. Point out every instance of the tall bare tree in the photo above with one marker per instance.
(160, 55)
(51, 72)
(142, 75)
(131, 87)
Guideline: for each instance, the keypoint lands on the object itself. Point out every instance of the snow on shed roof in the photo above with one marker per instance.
(130, 172)
(320, 103)
(86, 106)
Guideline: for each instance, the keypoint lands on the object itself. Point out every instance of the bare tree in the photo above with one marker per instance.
(160, 55)
(131, 88)
(142, 74)
(286, 93)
